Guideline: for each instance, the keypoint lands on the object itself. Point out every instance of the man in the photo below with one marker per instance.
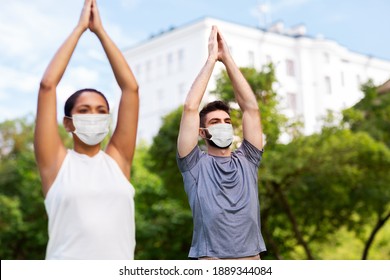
(221, 185)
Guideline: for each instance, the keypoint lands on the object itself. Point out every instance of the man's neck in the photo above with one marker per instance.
(213, 151)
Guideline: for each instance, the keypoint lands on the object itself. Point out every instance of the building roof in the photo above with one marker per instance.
(277, 27)
(384, 88)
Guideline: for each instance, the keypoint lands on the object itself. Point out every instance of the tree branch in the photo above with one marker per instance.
(293, 221)
(370, 241)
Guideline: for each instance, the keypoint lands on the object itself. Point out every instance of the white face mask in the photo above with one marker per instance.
(91, 128)
(221, 134)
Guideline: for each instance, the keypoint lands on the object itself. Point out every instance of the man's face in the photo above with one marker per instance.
(213, 118)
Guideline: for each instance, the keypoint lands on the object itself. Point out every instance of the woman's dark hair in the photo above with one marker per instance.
(211, 107)
(69, 104)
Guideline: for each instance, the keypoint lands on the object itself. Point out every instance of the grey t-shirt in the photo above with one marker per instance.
(223, 195)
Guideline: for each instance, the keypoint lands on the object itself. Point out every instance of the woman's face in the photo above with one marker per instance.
(86, 103)
(90, 103)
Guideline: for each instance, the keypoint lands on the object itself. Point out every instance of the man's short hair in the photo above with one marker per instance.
(211, 107)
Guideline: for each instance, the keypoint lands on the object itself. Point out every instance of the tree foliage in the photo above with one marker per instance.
(23, 218)
(161, 219)
(321, 183)
(371, 114)
(163, 156)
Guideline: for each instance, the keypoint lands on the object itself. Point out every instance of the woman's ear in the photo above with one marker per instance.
(68, 124)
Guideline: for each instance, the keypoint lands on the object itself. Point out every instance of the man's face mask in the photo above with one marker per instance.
(91, 128)
(221, 135)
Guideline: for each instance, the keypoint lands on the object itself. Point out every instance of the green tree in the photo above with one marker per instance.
(162, 222)
(23, 219)
(371, 114)
(23, 228)
(322, 183)
(163, 156)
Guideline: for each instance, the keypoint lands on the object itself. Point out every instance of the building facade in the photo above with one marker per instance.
(314, 74)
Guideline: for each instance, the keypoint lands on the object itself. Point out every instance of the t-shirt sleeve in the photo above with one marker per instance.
(252, 153)
(189, 161)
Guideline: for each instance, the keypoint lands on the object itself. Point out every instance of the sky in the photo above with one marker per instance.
(32, 31)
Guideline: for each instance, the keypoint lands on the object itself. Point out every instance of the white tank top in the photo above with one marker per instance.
(91, 210)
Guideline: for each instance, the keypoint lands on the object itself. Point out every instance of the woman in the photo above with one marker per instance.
(88, 196)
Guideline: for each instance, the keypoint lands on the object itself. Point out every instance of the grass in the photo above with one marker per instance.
(346, 246)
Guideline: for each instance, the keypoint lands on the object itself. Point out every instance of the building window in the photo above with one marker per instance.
(159, 68)
(292, 102)
(180, 59)
(359, 81)
(169, 63)
(251, 59)
(161, 99)
(182, 92)
(326, 58)
(268, 59)
(290, 68)
(137, 71)
(148, 70)
(328, 85)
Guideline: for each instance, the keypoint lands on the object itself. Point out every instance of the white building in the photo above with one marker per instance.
(314, 74)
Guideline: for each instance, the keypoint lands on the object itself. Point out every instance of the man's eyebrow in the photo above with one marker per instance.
(218, 119)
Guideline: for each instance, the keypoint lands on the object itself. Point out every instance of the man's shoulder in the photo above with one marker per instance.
(249, 152)
(189, 161)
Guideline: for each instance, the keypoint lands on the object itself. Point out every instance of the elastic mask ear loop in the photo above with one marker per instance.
(70, 118)
(207, 133)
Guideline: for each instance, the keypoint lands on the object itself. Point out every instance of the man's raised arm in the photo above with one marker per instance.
(189, 125)
(251, 121)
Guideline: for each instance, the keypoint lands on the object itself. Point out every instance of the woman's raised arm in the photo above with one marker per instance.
(49, 149)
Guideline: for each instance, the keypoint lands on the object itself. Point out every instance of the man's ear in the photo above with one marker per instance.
(204, 133)
(68, 124)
